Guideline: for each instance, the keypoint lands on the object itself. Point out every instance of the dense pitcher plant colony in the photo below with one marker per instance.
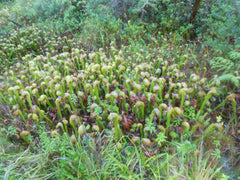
(138, 93)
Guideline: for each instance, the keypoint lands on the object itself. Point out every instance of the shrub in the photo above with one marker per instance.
(220, 27)
(62, 14)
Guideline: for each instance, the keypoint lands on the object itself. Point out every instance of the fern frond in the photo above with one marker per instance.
(222, 64)
(229, 77)
(234, 56)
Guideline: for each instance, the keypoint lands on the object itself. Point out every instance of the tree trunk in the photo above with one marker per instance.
(195, 10)
(192, 19)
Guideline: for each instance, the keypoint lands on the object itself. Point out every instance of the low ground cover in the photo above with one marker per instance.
(145, 105)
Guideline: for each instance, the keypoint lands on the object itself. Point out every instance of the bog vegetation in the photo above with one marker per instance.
(120, 89)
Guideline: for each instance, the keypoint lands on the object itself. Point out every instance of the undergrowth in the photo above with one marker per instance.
(116, 90)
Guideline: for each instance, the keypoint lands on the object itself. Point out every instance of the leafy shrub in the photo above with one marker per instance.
(216, 22)
(220, 27)
(168, 16)
(62, 14)
(100, 27)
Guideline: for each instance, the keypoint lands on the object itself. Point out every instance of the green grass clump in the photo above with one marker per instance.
(102, 158)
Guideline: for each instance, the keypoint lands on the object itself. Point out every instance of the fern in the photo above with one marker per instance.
(229, 67)
(229, 77)
(222, 64)
(234, 56)
(74, 99)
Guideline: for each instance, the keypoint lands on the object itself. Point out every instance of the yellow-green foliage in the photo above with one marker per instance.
(59, 81)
